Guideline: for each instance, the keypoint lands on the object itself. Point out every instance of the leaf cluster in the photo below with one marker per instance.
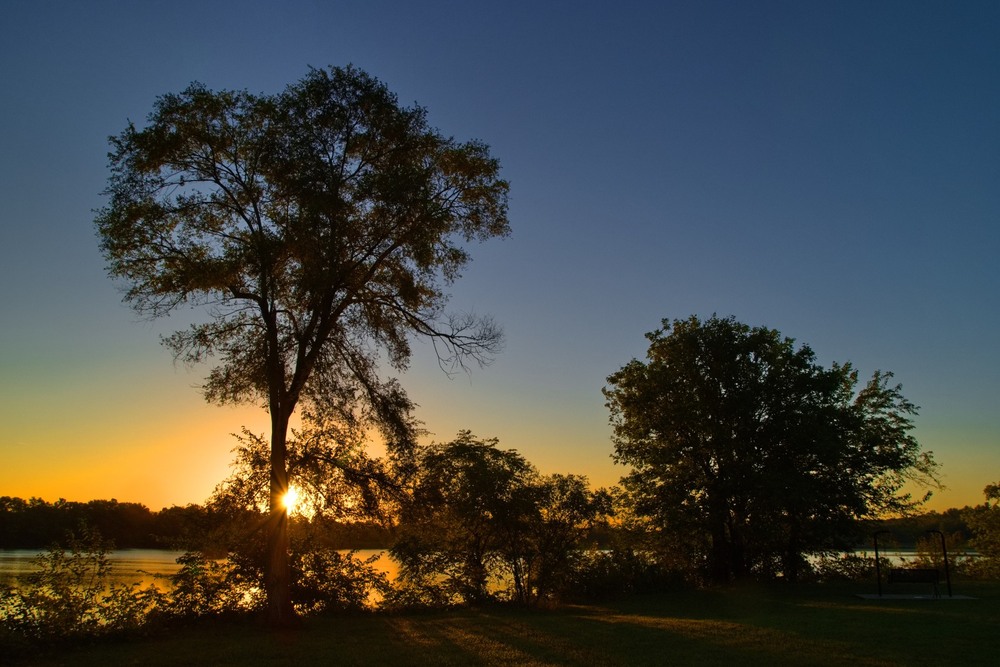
(319, 226)
(481, 521)
(984, 522)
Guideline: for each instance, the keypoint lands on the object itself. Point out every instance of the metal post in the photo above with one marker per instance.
(944, 552)
(878, 565)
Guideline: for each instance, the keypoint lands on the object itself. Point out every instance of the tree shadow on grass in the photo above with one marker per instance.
(750, 627)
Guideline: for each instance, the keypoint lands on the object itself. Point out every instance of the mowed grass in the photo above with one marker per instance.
(809, 625)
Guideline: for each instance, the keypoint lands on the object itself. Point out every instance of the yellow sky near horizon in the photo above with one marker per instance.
(163, 445)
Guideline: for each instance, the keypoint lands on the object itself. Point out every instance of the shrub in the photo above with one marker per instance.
(70, 594)
(326, 580)
(848, 567)
(600, 574)
(410, 595)
(209, 587)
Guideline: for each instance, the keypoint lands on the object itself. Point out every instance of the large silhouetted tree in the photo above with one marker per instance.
(747, 454)
(319, 227)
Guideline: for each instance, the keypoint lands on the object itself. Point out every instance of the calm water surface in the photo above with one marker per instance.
(154, 566)
(142, 566)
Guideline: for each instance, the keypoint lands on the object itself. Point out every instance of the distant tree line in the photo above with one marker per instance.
(907, 531)
(37, 524)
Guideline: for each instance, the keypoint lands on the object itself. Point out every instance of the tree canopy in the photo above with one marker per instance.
(320, 228)
(465, 494)
(748, 454)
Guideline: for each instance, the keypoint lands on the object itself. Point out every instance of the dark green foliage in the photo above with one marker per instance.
(34, 523)
(984, 522)
(849, 567)
(747, 454)
(323, 580)
(609, 574)
(906, 531)
(546, 553)
(482, 524)
(326, 580)
(961, 564)
(319, 225)
(468, 495)
(354, 535)
(187, 528)
(208, 587)
(344, 494)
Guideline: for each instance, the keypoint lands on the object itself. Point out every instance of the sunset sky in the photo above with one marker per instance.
(828, 169)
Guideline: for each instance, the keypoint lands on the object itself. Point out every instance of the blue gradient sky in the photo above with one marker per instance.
(831, 170)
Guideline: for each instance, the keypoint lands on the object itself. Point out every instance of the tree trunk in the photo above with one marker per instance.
(719, 566)
(737, 552)
(792, 557)
(278, 573)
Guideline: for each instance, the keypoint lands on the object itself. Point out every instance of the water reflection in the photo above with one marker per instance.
(145, 566)
(128, 566)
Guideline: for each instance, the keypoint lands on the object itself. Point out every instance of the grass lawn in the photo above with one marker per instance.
(808, 625)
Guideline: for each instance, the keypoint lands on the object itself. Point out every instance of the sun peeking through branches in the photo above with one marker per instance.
(290, 500)
(331, 473)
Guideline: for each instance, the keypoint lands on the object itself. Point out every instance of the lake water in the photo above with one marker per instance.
(142, 566)
(153, 566)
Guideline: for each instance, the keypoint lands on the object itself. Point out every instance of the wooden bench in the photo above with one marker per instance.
(909, 575)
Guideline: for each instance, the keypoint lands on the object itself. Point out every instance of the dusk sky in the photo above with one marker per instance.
(827, 169)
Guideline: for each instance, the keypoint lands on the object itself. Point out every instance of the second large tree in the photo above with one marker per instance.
(747, 454)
